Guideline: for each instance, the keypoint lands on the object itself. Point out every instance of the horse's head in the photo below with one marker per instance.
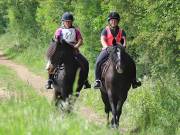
(64, 52)
(116, 56)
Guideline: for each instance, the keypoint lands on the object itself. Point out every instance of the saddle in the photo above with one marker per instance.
(52, 69)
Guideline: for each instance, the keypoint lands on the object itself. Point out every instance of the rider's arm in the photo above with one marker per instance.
(103, 42)
(79, 39)
(79, 43)
(103, 39)
(57, 34)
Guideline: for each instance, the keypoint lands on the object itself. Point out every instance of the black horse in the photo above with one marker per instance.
(66, 67)
(116, 82)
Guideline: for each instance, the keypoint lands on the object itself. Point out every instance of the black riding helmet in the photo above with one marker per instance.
(67, 17)
(113, 15)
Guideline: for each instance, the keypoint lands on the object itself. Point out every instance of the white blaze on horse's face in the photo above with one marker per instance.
(119, 53)
(118, 64)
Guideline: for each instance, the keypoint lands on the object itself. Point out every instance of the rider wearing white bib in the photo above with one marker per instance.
(69, 35)
(73, 37)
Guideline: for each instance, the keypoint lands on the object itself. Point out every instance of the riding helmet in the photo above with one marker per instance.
(113, 15)
(67, 17)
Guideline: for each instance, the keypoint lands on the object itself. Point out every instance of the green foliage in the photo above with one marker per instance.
(153, 40)
(89, 17)
(156, 35)
(157, 105)
(22, 20)
(3, 16)
(49, 15)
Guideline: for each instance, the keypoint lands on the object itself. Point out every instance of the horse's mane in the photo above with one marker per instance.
(113, 49)
(62, 52)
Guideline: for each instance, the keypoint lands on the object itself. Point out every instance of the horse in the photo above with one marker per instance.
(116, 81)
(66, 67)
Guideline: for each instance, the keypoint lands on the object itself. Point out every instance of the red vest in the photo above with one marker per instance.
(109, 37)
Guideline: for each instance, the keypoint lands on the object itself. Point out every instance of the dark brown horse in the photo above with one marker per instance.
(116, 82)
(65, 75)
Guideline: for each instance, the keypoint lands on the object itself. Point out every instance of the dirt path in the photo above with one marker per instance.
(37, 82)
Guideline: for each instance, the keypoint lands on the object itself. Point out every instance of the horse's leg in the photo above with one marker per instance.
(119, 108)
(114, 118)
(56, 97)
(107, 106)
(108, 119)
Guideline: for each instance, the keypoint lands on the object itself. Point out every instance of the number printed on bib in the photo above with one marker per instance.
(69, 35)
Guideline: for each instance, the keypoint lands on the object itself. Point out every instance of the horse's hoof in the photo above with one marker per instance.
(48, 87)
(115, 126)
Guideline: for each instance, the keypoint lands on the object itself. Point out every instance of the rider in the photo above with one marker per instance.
(111, 33)
(73, 37)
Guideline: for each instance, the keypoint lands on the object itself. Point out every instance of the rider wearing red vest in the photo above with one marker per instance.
(112, 34)
(110, 37)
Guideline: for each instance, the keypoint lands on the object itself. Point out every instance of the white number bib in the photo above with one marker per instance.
(69, 35)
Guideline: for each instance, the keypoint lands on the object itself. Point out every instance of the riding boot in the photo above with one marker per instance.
(87, 84)
(49, 82)
(97, 84)
(135, 83)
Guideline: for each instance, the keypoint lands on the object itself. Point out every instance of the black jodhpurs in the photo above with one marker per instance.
(103, 56)
(84, 64)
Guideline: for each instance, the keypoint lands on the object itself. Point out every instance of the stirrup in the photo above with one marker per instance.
(48, 85)
(136, 84)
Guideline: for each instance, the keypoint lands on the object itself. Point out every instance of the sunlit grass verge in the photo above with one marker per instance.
(154, 107)
(31, 53)
(27, 113)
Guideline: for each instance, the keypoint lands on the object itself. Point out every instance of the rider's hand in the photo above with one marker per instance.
(76, 46)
